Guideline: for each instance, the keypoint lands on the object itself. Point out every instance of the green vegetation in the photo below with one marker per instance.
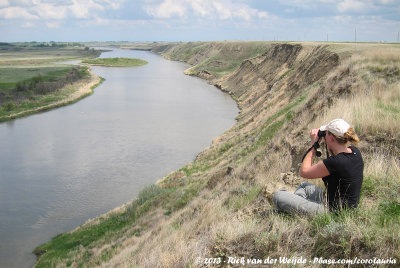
(105, 229)
(39, 103)
(38, 91)
(115, 62)
(242, 196)
(44, 44)
(219, 59)
(52, 81)
(11, 76)
(26, 55)
(31, 81)
(65, 247)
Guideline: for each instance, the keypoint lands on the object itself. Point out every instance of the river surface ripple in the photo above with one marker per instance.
(60, 168)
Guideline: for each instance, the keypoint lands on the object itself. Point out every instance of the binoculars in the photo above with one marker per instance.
(321, 134)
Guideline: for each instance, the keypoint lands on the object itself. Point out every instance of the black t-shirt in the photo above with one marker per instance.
(344, 182)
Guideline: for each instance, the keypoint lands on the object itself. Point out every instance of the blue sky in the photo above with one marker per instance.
(199, 20)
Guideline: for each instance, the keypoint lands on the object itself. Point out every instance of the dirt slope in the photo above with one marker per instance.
(220, 207)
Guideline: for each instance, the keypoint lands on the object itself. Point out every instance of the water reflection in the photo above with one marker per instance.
(60, 168)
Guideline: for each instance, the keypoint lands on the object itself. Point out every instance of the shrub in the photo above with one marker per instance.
(389, 212)
(8, 106)
(147, 198)
(45, 84)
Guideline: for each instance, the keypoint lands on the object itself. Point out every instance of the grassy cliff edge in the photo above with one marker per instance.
(218, 208)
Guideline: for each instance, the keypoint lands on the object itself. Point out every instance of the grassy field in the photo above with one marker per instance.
(220, 205)
(10, 76)
(30, 76)
(115, 62)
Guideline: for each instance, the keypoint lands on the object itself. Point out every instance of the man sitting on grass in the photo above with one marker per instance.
(342, 174)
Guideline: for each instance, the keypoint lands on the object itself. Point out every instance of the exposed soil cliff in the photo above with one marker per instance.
(219, 206)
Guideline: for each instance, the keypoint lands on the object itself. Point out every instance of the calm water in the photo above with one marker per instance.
(62, 167)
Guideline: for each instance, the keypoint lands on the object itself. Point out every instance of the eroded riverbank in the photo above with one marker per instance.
(220, 205)
(65, 166)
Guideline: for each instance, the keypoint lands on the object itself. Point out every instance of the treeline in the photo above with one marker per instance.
(74, 49)
(54, 44)
(39, 85)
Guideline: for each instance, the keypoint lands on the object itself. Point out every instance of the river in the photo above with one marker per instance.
(62, 167)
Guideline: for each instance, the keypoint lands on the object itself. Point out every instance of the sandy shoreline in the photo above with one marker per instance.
(83, 88)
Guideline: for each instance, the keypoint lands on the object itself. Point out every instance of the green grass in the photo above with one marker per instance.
(115, 62)
(355, 233)
(195, 167)
(286, 73)
(30, 77)
(272, 125)
(42, 56)
(242, 196)
(374, 225)
(223, 58)
(392, 108)
(20, 91)
(389, 212)
(67, 245)
(10, 76)
(183, 197)
(225, 147)
(8, 109)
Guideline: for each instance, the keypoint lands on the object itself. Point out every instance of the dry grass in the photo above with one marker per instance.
(380, 112)
(247, 234)
(383, 54)
(373, 107)
(232, 214)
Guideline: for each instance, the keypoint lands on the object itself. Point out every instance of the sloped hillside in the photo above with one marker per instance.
(219, 206)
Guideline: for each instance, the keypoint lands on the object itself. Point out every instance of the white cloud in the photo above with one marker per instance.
(23, 2)
(200, 8)
(387, 1)
(54, 24)
(352, 5)
(114, 4)
(167, 9)
(214, 9)
(83, 9)
(223, 12)
(4, 3)
(49, 11)
(343, 19)
(56, 10)
(16, 13)
(29, 24)
(53, 13)
(305, 4)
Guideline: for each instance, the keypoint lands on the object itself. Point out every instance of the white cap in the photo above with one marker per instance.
(338, 127)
